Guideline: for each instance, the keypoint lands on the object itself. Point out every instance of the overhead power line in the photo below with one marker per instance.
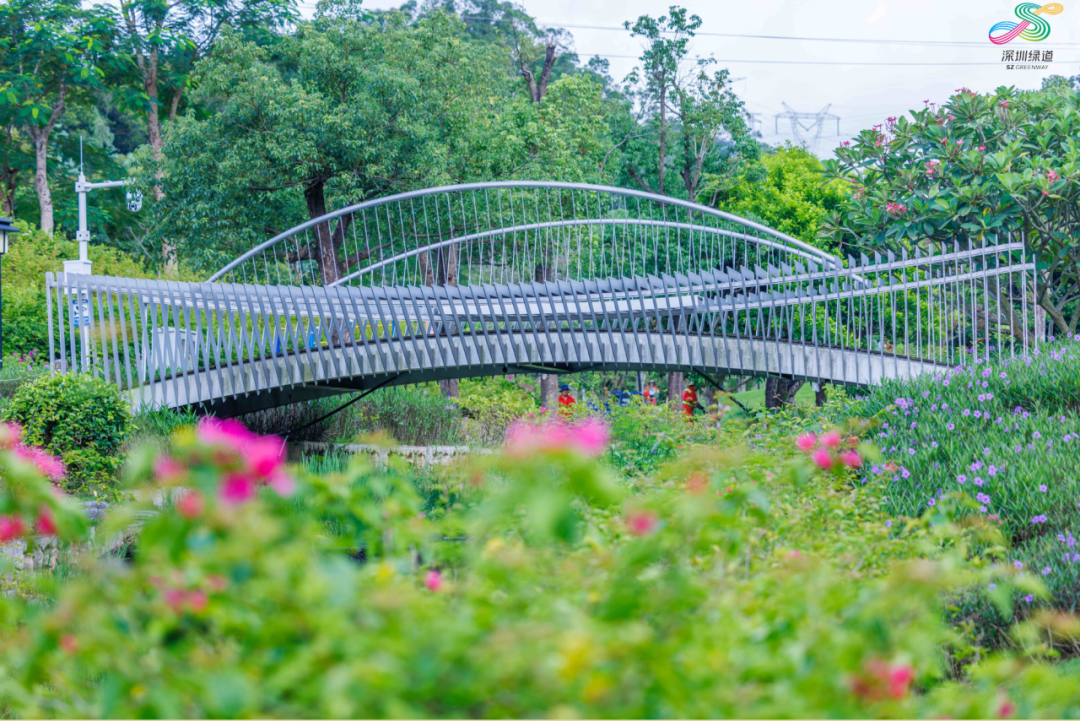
(937, 43)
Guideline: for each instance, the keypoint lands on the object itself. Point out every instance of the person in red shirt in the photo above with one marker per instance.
(651, 393)
(690, 400)
(565, 401)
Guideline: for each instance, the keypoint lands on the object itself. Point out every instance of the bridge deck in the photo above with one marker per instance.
(290, 378)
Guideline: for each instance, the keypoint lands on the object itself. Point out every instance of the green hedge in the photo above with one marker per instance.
(81, 419)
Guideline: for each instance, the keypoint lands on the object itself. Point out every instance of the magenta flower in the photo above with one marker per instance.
(851, 459)
(236, 489)
(45, 523)
(48, 465)
(190, 505)
(11, 527)
(831, 439)
(806, 442)
(433, 581)
(10, 435)
(641, 523)
(822, 459)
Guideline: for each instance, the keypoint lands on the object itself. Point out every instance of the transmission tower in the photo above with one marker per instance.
(812, 131)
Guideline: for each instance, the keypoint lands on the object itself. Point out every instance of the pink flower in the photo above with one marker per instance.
(48, 465)
(10, 435)
(831, 439)
(641, 523)
(851, 459)
(190, 505)
(592, 437)
(231, 433)
(1006, 709)
(45, 523)
(11, 527)
(822, 458)
(899, 679)
(196, 600)
(282, 483)
(263, 455)
(433, 581)
(1051, 176)
(236, 489)
(168, 470)
(589, 437)
(806, 442)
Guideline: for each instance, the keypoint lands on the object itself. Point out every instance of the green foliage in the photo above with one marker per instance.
(31, 254)
(82, 419)
(1006, 435)
(734, 583)
(785, 191)
(492, 404)
(980, 165)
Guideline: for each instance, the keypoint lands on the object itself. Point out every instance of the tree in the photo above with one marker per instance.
(977, 167)
(785, 190)
(48, 50)
(165, 39)
(659, 74)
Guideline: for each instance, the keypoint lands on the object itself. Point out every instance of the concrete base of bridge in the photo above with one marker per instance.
(295, 377)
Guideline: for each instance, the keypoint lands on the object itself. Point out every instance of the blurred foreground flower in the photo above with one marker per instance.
(589, 437)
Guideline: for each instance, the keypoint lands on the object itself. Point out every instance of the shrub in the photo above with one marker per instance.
(82, 419)
(557, 593)
(1005, 434)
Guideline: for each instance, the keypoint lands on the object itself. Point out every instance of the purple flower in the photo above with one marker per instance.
(1046, 571)
(978, 481)
(1042, 487)
(888, 524)
(1029, 598)
(982, 398)
(967, 412)
(905, 473)
(992, 586)
(1036, 435)
(978, 414)
(992, 470)
(1018, 565)
(961, 478)
(931, 503)
(976, 465)
(1003, 375)
(982, 498)
(986, 451)
(950, 426)
(1038, 519)
(911, 451)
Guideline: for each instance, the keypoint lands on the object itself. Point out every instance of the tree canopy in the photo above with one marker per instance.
(977, 167)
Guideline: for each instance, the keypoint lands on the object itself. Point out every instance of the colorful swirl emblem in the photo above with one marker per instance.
(1031, 26)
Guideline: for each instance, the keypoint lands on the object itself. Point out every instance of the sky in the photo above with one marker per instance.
(946, 42)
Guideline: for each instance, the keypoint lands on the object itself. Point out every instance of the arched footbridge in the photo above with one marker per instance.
(534, 277)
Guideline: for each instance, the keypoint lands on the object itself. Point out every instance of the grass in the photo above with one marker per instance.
(756, 398)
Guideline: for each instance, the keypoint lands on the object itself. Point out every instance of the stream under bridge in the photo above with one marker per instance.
(535, 277)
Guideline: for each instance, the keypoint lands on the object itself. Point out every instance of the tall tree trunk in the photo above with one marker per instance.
(676, 384)
(8, 185)
(549, 392)
(820, 397)
(41, 180)
(324, 237)
(663, 137)
(40, 136)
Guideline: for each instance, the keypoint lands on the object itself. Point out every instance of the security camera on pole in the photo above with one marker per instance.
(80, 307)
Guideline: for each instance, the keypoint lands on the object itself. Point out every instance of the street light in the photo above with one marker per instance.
(6, 229)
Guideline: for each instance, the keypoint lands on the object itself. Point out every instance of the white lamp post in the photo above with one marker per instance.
(7, 229)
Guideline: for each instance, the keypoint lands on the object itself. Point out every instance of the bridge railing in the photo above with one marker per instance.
(511, 232)
(885, 316)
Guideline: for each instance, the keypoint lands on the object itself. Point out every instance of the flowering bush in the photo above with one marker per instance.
(31, 503)
(1006, 436)
(82, 419)
(725, 585)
